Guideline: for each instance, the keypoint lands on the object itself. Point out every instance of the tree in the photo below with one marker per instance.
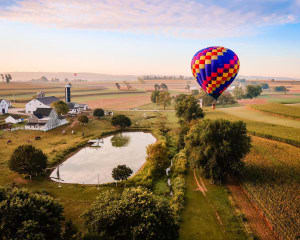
(71, 232)
(136, 213)
(83, 119)
(60, 107)
(253, 91)
(164, 98)
(226, 99)
(25, 215)
(121, 121)
(8, 78)
(26, 159)
(281, 89)
(98, 112)
(156, 87)
(188, 108)
(238, 92)
(264, 86)
(118, 86)
(218, 147)
(121, 172)
(163, 86)
(157, 155)
(154, 96)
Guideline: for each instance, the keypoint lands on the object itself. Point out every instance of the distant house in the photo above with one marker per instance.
(42, 102)
(76, 108)
(14, 119)
(4, 105)
(45, 119)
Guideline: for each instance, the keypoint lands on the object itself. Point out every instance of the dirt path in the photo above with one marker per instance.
(257, 222)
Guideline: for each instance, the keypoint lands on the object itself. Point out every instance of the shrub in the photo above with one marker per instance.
(26, 159)
(98, 112)
(83, 119)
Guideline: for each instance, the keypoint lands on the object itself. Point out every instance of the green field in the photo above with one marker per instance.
(209, 217)
(279, 109)
(287, 99)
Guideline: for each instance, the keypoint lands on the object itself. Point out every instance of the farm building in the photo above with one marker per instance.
(14, 119)
(4, 105)
(76, 108)
(41, 102)
(45, 119)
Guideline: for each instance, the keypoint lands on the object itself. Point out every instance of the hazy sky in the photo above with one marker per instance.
(148, 36)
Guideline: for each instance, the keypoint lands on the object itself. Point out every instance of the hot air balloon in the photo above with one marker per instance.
(215, 68)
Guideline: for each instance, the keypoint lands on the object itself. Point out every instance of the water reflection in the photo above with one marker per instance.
(120, 140)
(93, 163)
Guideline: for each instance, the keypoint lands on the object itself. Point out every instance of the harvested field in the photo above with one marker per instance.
(120, 103)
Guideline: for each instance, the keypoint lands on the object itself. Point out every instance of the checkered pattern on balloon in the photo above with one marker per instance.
(215, 68)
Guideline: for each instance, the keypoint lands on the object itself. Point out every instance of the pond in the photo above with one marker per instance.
(93, 165)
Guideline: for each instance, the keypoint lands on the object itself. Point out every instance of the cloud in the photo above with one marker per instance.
(183, 18)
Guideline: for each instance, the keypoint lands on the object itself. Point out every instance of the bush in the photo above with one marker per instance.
(98, 112)
(25, 215)
(253, 91)
(218, 147)
(121, 121)
(26, 159)
(134, 214)
(83, 119)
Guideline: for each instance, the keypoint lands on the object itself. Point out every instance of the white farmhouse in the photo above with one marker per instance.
(42, 102)
(76, 108)
(45, 119)
(4, 105)
(14, 119)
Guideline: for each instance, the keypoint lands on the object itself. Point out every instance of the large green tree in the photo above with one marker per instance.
(98, 112)
(188, 108)
(154, 96)
(218, 147)
(121, 121)
(26, 159)
(157, 155)
(60, 107)
(136, 214)
(29, 216)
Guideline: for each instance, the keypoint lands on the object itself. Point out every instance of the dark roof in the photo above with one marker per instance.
(48, 100)
(42, 112)
(71, 105)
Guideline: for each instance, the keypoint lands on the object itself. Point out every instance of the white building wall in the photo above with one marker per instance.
(33, 105)
(3, 107)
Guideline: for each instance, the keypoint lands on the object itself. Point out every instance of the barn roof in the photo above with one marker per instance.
(42, 112)
(48, 100)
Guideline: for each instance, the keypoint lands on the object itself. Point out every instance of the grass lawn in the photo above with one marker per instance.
(199, 217)
(154, 106)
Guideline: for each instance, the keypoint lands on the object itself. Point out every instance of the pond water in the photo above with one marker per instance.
(93, 165)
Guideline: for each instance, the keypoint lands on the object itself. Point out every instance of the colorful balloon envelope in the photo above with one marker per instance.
(215, 68)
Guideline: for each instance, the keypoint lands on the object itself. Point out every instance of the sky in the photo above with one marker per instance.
(148, 36)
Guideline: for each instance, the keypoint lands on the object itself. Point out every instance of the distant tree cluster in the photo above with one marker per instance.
(252, 91)
(155, 77)
(225, 99)
(6, 77)
(280, 89)
(161, 98)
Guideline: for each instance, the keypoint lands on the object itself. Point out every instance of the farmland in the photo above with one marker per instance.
(272, 177)
(279, 109)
